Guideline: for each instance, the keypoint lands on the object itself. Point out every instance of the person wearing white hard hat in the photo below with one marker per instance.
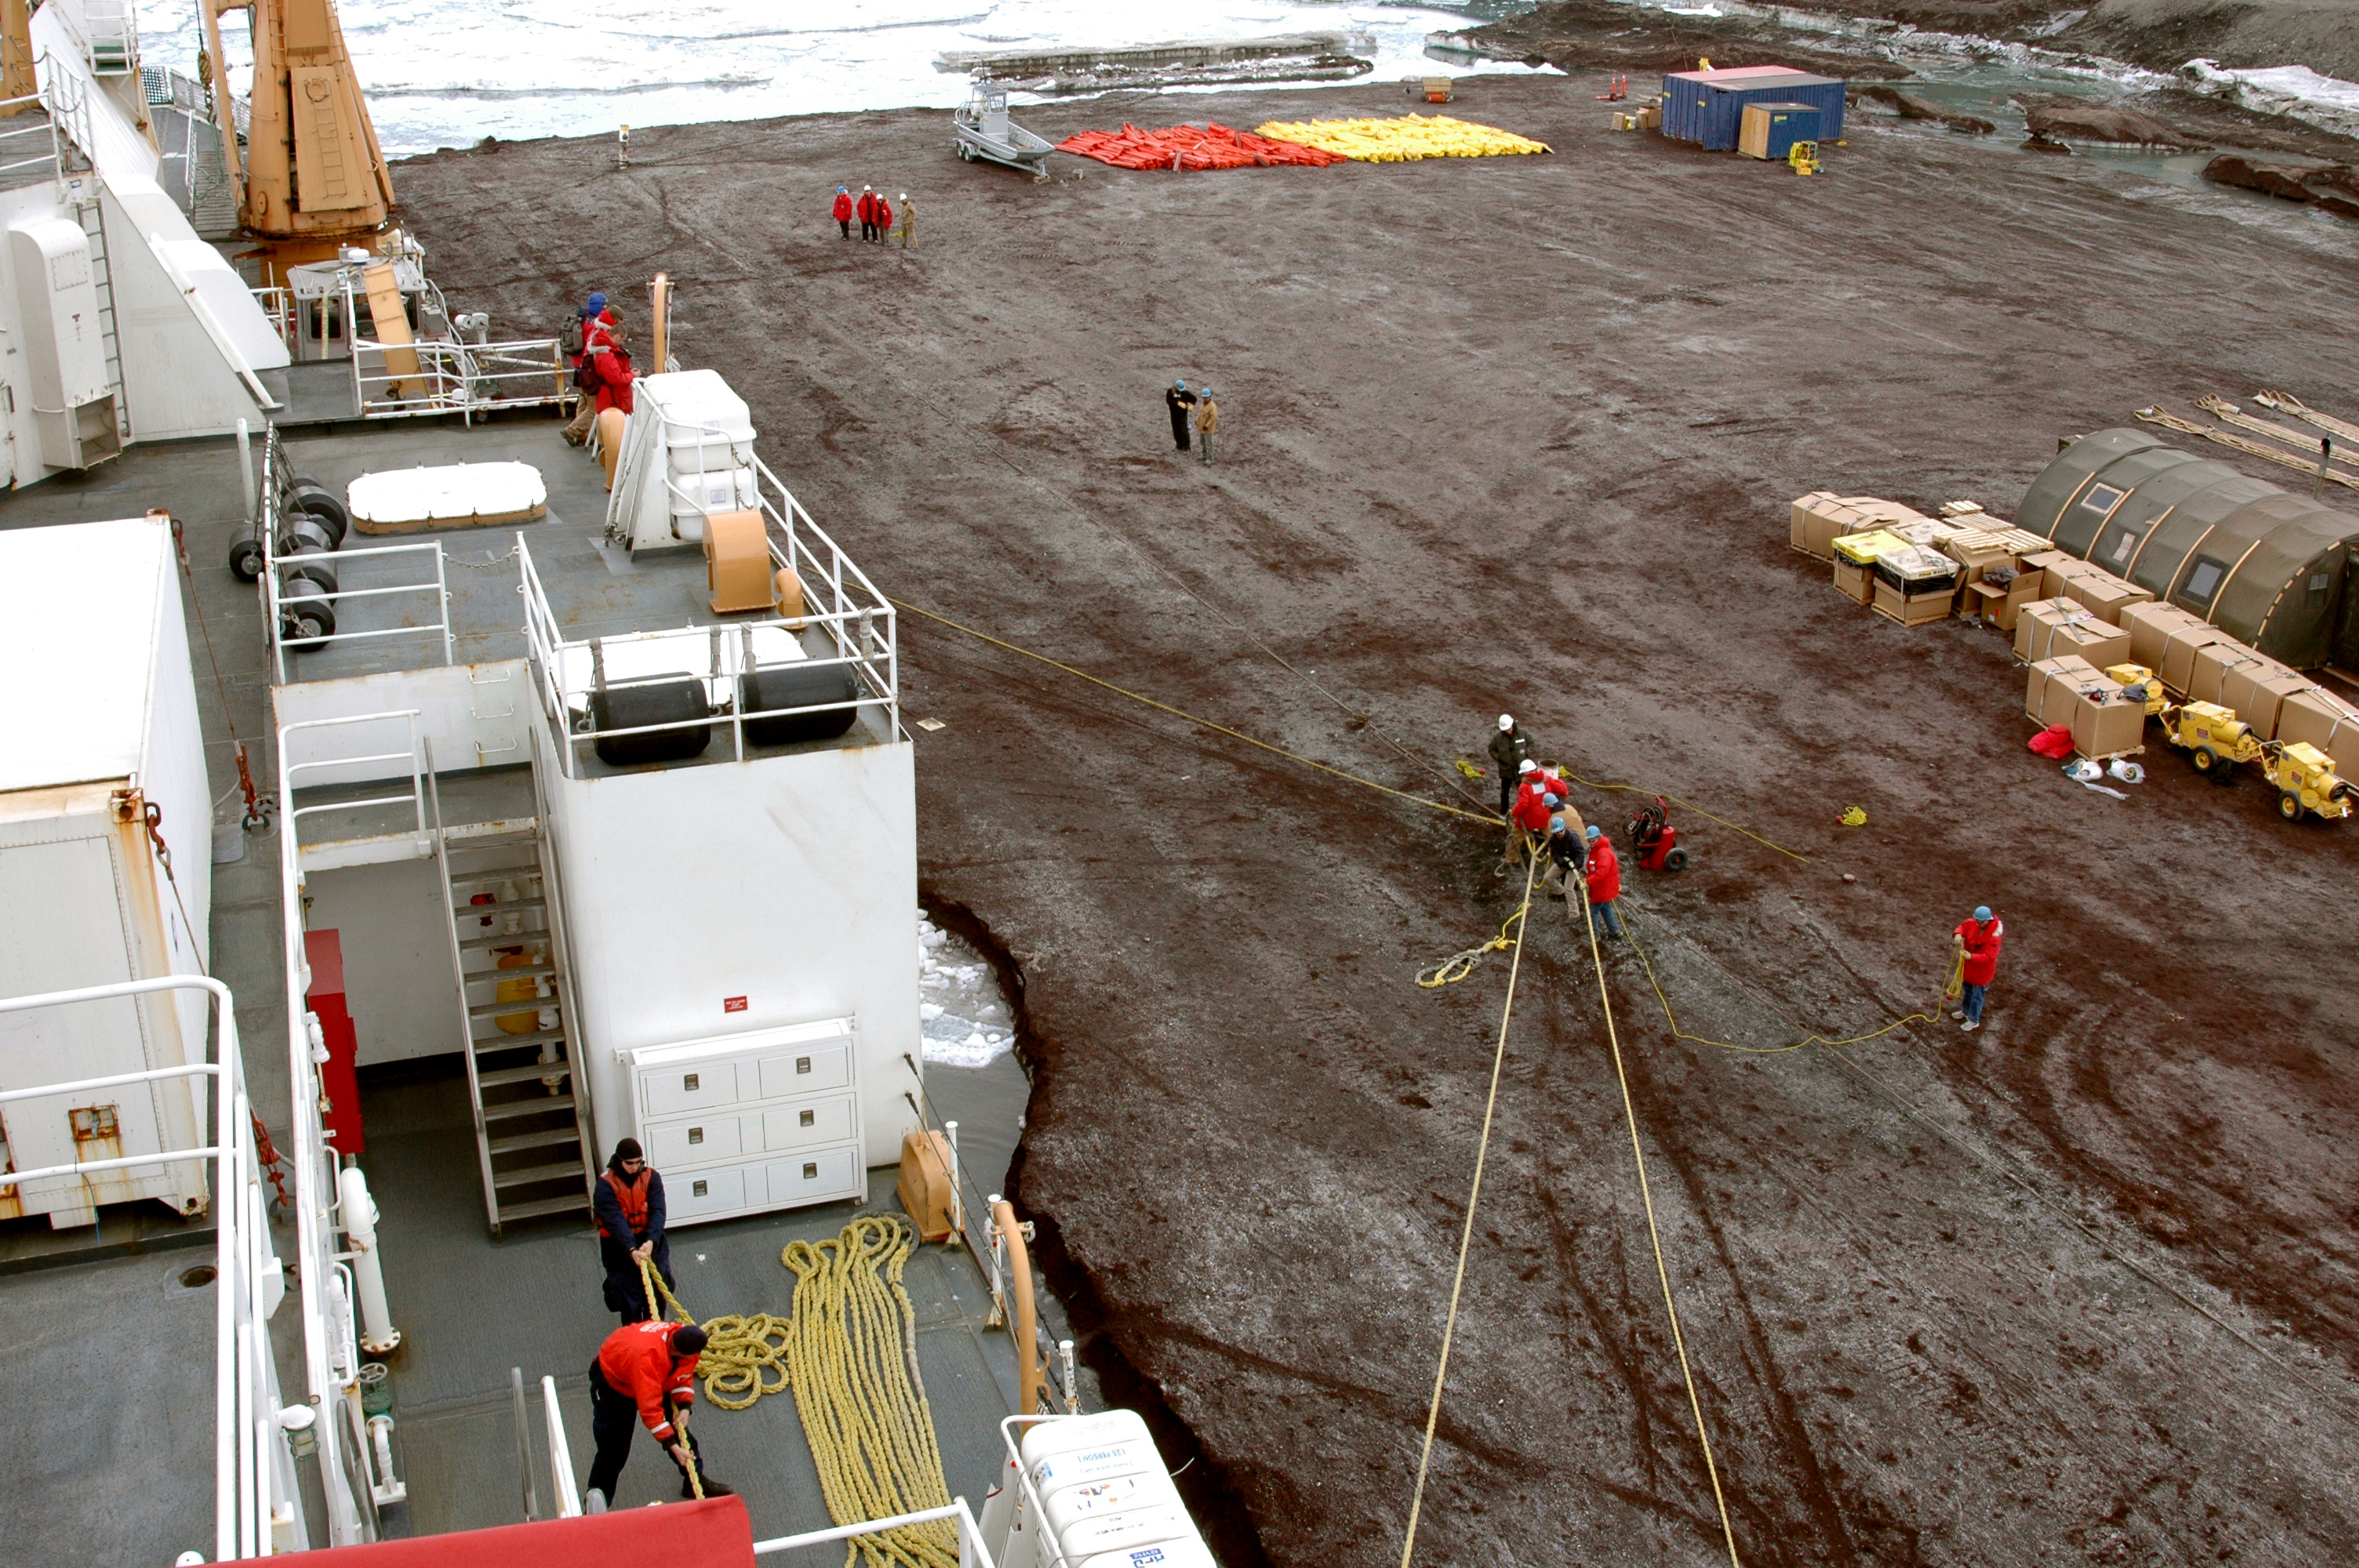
(1510, 748)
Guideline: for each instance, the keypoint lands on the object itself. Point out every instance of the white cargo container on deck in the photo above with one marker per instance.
(98, 704)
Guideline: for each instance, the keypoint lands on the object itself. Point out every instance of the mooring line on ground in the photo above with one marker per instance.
(1466, 1232)
(1655, 1239)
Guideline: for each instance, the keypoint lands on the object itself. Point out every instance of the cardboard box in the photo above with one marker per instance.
(2103, 592)
(2025, 589)
(2176, 665)
(2325, 722)
(1977, 550)
(2048, 627)
(1913, 610)
(2149, 624)
(2212, 664)
(1984, 602)
(2070, 667)
(1855, 582)
(2108, 723)
(1821, 517)
(2258, 699)
(2040, 562)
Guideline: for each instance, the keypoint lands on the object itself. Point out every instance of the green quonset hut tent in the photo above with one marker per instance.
(2271, 568)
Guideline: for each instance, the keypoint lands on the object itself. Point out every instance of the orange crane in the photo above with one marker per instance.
(312, 180)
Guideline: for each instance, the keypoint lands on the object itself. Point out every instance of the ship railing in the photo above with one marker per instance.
(560, 1453)
(278, 303)
(434, 376)
(973, 1554)
(569, 675)
(974, 1225)
(332, 1354)
(33, 146)
(257, 1498)
(430, 576)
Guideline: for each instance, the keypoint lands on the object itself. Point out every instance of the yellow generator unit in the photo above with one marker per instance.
(2306, 782)
(2215, 740)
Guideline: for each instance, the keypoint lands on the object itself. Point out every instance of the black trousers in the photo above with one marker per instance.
(844, 224)
(1179, 431)
(867, 229)
(1506, 792)
(612, 1418)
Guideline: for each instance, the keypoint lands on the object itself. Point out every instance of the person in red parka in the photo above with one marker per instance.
(843, 210)
(1976, 939)
(1604, 874)
(884, 219)
(606, 371)
(866, 208)
(645, 1373)
(1539, 797)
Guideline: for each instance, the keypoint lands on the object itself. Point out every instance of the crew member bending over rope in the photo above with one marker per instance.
(645, 1371)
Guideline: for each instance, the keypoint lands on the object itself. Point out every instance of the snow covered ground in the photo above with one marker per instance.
(449, 72)
(2294, 90)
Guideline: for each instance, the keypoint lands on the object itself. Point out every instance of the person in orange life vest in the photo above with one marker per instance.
(843, 210)
(1605, 878)
(1978, 939)
(644, 1375)
(629, 1204)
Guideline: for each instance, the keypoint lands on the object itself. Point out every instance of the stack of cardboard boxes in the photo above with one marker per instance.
(2086, 633)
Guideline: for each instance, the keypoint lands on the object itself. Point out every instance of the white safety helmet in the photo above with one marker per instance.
(1506, 721)
(1527, 766)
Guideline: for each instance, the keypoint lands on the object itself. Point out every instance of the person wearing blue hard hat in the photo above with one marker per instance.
(1182, 404)
(1604, 877)
(1976, 940)
(842, 212)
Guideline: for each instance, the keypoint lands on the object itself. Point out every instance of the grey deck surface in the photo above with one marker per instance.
(470, 1308)
(108, 1365)
(107, 1371)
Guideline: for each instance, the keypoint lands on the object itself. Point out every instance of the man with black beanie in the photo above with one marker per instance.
(629, 1204)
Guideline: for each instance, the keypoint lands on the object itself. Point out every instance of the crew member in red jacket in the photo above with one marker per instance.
(1539, 797)
(1977, 941)
(646, 1372)
(884, 219)
(843, 210)
(606, 372)
(1604, 876)
(867, 207)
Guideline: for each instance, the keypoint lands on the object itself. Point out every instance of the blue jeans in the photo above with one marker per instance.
(1604, 919)
(1975, 995)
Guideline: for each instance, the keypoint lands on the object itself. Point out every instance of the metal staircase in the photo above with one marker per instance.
(531, 1111)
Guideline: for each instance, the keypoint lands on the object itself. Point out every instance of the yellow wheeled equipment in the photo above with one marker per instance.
(2214, 740)
(2306, 782)
(1804, 157)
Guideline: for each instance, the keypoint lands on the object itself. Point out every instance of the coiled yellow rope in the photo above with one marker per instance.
(851, 1355)
(1461, 964)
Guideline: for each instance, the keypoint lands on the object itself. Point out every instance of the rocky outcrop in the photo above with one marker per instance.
(2062, 120)
(2333, 186)
(1910, 107)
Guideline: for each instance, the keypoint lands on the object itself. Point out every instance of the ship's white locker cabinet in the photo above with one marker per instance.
(102, 778)
(741, 1123)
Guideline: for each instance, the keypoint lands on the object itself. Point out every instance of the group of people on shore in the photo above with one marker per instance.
(876, 215)
(1541, 821)
(1192, 411)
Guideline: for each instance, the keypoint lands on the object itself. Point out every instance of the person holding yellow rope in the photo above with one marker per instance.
(629, 1204)
(645, 1371)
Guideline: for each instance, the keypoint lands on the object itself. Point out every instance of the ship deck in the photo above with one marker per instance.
(98, 1330)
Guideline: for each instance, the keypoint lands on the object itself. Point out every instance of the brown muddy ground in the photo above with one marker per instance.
(1520, 433)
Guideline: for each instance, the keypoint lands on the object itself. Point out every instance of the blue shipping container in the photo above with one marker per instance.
(1705, 106)
(1788, 123)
